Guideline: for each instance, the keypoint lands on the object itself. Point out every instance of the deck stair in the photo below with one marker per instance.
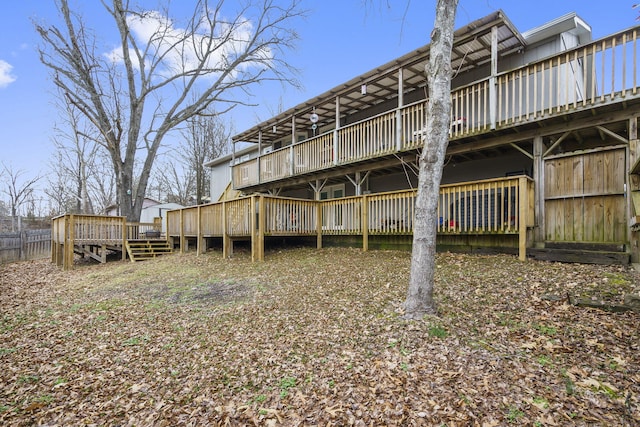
(139, 250)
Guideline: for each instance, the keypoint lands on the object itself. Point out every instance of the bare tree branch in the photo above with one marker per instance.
(151, 84)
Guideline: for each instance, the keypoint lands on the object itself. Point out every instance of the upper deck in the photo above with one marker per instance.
(502, 108)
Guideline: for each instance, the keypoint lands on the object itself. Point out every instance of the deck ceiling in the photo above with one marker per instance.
(472, 49)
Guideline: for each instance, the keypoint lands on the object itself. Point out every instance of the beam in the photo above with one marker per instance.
(612, 134)
(545, 131)
(522, 150)
(555, 144)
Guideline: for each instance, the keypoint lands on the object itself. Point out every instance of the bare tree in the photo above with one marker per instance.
(206, 138)
(174, 183)
(102, 186)
(76, 153)
(145, 88)
(18, 188)
(62, 198)
(420, 293)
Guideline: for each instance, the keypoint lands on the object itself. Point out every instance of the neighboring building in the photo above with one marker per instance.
(548, 104)
(152, 211)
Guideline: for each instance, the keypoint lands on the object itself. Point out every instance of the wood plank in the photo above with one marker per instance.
(594, 219)
(582, 257)
(594, 171)
(578, 219)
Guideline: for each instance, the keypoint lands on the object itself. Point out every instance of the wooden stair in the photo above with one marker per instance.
(139, 250)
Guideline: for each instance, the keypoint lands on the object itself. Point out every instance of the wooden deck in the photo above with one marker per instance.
(591, 76)
(96, 236)
(489, 207)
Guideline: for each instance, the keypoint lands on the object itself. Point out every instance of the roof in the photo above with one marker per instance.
(227, 157)
(472, 48)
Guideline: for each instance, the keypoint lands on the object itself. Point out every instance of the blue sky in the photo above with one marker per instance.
(338, 41)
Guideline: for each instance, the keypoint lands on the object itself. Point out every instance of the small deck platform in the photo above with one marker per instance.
(97, 237)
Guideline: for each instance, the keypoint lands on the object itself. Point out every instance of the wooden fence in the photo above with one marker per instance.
(25, 245)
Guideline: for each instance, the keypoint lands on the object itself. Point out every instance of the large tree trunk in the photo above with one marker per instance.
(420, 294)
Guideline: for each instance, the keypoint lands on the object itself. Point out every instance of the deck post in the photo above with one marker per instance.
(399, 110)
(633, 154)
(257, 228)
(523, 209)
(538, 179)
(262, 217)
(182, 238)
(199, 238)
(124, 239)
(227, 244)
(69, 242)
(493, 98)
(365, 223)
(318, 222)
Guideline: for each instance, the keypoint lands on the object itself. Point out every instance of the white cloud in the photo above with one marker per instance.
(6, 77)
(182, 51)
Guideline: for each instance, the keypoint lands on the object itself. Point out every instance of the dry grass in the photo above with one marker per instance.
(314, 338)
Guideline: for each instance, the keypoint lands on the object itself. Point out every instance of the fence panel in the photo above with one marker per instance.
(25, 245)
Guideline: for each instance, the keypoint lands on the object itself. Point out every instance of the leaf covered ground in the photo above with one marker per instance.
(315, 337)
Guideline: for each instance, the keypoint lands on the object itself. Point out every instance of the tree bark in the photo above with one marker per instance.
(420, 300)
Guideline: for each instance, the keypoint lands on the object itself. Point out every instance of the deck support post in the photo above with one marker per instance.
(318, 222)
(257, 228)
(68, 243)
(227, 243)
(538, 179)
(633, 184)
(523, 210)
(335, 132)
(399, 110)
(124, 239)
(493, 97)
(183, 240)
(200, 249)
(365, 223)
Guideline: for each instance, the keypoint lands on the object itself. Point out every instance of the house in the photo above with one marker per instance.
(542, 159)
(152, 211)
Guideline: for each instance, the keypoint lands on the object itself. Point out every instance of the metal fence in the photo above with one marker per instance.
(25, 245)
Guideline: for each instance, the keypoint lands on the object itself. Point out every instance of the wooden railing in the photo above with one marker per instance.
(143, 230)
(369, 138)
(86, 232)
(598, 73)
(69, 231)
(314, 154)
(284, 216)
(495, 206)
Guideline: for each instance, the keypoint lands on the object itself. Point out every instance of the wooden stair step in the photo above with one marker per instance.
(141, 250)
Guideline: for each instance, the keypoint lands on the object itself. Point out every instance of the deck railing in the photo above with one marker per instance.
(83, 233)
(495, 206)
(69, 231)
(143, 230)
(597, 73)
